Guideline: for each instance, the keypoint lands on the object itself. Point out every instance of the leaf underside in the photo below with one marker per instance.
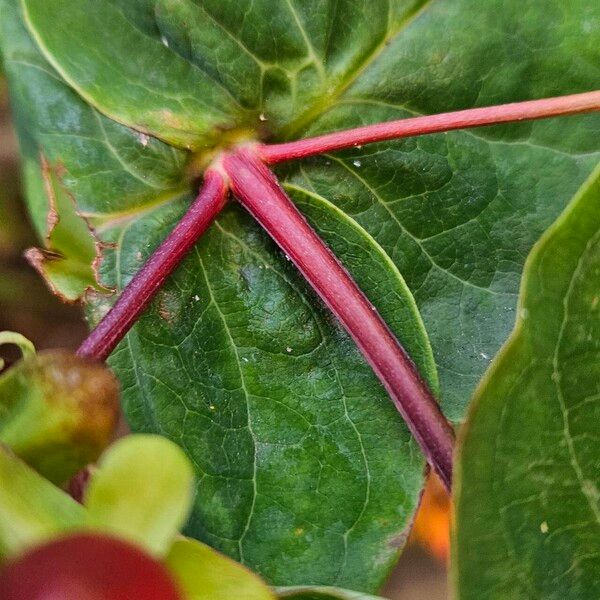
(306, 472)
(528, 510)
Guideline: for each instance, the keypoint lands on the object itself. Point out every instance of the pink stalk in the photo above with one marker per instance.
(258, 190)
(474, 117)
(146, 283)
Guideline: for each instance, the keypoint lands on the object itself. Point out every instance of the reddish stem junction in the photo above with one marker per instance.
(244, 172)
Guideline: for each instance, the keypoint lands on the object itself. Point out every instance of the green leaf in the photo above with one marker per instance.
(459, 212)
(58, 412)
(155, 90)
(205, 574)
(527, 508)
(298, 451)
(456, 214)
(32, 510)
(193, 68)
(69, 261)
(142, 491)
(112, 172)
(321, 593)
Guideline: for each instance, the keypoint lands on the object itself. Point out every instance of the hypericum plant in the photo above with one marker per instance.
(306, 472)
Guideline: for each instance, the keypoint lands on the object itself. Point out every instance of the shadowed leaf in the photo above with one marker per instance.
(528, 505)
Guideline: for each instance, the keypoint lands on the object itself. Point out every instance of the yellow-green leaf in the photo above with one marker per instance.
(32, 509)
(141, 491)
(205, 574)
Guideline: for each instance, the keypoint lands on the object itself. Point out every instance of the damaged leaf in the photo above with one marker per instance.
(69, 262)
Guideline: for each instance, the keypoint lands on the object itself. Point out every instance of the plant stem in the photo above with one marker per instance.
(258, 190)
(146, 283)
(474, 117)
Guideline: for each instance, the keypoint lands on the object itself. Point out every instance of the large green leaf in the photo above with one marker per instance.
(305, 469)
(454, 212)
(528, 500)
(302, 459)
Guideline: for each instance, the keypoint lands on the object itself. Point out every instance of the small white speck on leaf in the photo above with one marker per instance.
(165, 41)
(144, 139)
(544, 527)
(244, 359)
(262, 117)
(196, 297)
(212, 407)
(288, 349)
(484, 355)
(356, 163)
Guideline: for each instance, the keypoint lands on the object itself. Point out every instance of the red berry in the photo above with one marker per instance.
(86, 567)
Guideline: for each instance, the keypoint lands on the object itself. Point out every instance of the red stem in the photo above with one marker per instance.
(474, 117)
(258, 190)
(143, 287)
